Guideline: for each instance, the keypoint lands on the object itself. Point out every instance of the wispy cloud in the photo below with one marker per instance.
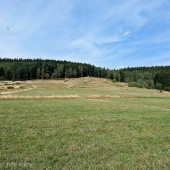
(113, 39)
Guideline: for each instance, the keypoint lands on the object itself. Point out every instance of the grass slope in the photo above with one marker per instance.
(126, 132)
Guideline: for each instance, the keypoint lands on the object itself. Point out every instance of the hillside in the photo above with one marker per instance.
(9, 87)
(86, 87)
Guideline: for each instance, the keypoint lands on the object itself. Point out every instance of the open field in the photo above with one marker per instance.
(107, 126)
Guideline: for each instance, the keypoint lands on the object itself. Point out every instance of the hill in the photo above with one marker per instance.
(13, 87)
(85, 87)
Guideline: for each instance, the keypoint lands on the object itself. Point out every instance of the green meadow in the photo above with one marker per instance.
(109, 126)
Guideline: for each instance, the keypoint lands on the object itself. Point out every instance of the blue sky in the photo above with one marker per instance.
(106, 33)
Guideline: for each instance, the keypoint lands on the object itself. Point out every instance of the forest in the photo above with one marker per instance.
(157, 77)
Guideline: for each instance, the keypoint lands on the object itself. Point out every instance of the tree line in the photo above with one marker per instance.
(30, 69)
(157, 77)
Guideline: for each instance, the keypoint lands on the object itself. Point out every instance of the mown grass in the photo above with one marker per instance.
(130, 132)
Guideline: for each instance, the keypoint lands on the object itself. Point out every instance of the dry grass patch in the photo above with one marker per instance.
(8, 97)
(102, 97)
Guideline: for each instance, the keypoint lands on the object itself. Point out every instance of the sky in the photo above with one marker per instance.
(106, 33)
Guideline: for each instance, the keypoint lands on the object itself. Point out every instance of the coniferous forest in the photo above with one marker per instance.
(157, 77)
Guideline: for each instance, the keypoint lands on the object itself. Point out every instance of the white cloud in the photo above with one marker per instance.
(114, 38)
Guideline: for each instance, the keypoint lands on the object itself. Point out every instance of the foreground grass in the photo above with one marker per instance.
(119, 133)
(108, 126)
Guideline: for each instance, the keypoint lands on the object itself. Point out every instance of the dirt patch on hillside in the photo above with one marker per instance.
(86, 82)
(10, 87)
(166, 92)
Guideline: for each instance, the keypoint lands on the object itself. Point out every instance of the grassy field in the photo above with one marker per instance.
(110, 126)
